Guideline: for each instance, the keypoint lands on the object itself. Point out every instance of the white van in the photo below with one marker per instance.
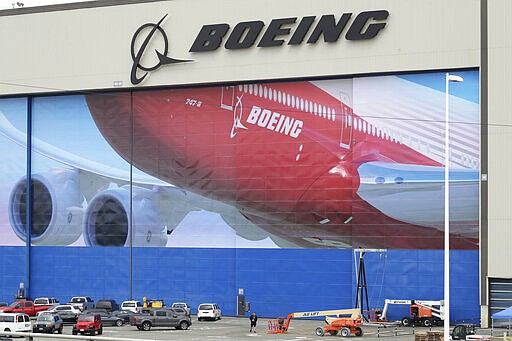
(210, 311)
(15, 322)
(134, 306)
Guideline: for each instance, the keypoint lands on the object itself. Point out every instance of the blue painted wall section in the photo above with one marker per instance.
(275, 281)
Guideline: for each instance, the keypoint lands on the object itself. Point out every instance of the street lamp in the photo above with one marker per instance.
(449, 78)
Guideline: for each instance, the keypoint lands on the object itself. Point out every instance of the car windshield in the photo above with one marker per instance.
(78, 300)
(87, 318)
(179, 305)
(45, 317)
(205, 307)
(129, 304)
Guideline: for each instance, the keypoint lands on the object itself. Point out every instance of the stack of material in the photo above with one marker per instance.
(429, 336)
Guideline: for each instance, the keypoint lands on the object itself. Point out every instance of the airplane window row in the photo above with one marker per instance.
(365, 127)
(289, 100)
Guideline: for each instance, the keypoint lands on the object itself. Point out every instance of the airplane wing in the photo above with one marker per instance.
(87, 198)
(390, 187)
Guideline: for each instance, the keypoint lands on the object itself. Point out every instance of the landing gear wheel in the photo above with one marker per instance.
(345, 332)
(359, 331)
(319, 331)
(406, 322)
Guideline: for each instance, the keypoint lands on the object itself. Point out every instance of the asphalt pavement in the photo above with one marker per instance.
(237, 329)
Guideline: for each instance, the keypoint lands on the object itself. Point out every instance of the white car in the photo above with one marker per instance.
(183, 306)
(83, 301)
(45, 301)
(15, 322)
(67, 311)
(134, 306)
(210, 311)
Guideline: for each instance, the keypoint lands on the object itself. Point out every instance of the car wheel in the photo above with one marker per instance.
(427, 322)
(183, 325)
(119, 323)
(100, 331)
(359, 331)
(345, 332)
(199, 318)
(146, 326)
(319, 331)
(74, 332)
(406, 321)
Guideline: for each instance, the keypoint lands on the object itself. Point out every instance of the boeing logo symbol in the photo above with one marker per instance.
(162, 56)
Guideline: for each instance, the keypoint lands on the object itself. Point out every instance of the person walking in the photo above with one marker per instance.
(254, 319)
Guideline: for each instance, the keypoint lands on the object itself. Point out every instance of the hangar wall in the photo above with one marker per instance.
(499, 133)
(411, 42)
(276, 282)
(419, 36)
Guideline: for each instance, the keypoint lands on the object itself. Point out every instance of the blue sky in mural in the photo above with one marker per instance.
(436, 80)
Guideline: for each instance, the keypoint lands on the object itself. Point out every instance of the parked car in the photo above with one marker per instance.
(208, 311)
(107, 319)
(15, 322)
(45, 301)
(135, 306)
(68, 312)
(3, 304)
(181, 305)
(88, 324)
(24, 306)
(163, 317)
(124, 314)
(48, 323)
(83, 302)
(108, 305)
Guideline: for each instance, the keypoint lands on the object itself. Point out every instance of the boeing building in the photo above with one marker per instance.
(295, 155)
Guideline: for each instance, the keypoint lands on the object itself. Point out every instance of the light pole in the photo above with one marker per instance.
(449, 78)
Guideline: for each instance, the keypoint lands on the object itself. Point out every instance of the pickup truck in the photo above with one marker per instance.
(24, 306)
(164, 317)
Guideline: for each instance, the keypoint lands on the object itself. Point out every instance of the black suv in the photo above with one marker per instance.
(108, 305)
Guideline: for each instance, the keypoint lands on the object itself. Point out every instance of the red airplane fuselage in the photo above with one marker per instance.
(285, 154)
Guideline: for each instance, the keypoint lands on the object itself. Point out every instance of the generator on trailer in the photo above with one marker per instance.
(424, 313)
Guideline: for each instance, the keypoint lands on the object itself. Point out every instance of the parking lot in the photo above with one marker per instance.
(233, 328)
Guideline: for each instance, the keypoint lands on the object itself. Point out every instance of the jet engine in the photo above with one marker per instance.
(108, 222)
(56, 208)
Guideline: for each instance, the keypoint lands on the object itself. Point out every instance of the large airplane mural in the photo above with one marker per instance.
(334, 163)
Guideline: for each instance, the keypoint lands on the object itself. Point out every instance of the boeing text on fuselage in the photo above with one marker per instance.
(275, 121)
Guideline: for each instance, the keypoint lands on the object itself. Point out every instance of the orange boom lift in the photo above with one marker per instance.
(345, 321)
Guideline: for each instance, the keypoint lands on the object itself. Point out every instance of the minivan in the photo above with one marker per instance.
(15, 322)
(209, 311)
(134, 306)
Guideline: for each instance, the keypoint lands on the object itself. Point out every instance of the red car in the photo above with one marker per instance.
(88, 324)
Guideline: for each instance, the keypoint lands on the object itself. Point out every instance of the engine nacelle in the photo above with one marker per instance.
(107, 220)
(56, 208)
